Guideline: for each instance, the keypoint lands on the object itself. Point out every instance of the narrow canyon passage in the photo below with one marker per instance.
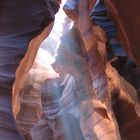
(74, 79)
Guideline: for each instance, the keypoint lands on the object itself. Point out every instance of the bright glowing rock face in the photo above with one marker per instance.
(66, 90)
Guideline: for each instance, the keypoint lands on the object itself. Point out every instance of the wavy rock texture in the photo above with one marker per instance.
(97, 65)
(51, 116)
(20, 22)
(52, 103)
(53, 110)
(79, 97)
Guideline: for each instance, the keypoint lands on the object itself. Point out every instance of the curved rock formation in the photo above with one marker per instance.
(20, 22)
(68, 91)
(125, 14)
(99, 119)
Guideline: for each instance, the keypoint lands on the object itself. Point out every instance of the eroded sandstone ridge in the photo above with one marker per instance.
(68, 90)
